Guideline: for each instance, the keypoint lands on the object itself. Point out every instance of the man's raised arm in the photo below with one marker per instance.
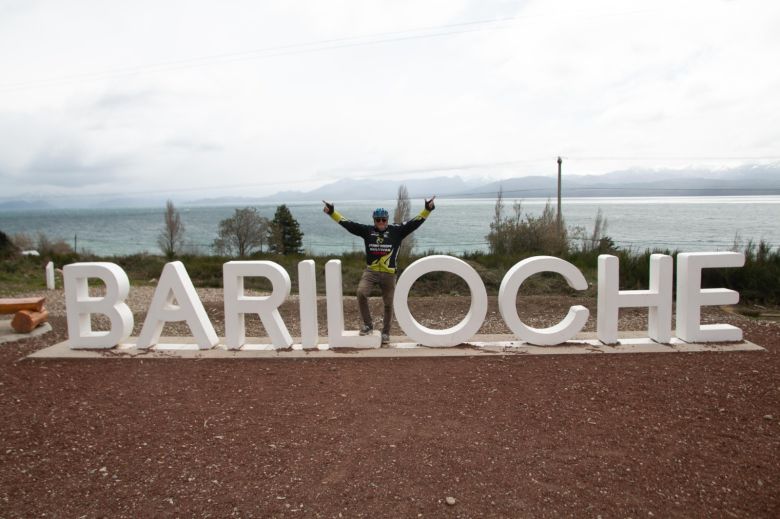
(412, 225)
(355, 228)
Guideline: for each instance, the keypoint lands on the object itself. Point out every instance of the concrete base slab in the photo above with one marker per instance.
(482, 345)
(7, 334)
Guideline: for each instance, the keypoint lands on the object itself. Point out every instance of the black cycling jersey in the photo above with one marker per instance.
(382, 246)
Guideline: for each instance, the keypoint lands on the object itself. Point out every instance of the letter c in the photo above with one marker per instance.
(507, 295)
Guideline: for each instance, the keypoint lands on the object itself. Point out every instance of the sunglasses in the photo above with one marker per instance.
(380, 219)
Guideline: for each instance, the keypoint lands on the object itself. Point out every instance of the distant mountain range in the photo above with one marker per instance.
(364, 189)
(23, 205)
(746, 180)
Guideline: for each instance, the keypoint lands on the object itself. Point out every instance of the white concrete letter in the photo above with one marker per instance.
(50, 276)
(175, 299)
(658, 299)
(307, 299)
(80, 306)
(507, 296)
(337, 337)
(691, 297)
(462, 331)
(237, 303)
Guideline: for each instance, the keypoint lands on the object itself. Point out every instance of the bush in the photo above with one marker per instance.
(7, 247)
(527, 235)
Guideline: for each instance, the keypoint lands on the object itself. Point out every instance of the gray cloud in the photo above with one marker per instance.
(192, 144)
(125, 99)
(69, 167)
(558, 77)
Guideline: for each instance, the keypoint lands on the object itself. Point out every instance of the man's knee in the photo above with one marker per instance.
(387, 294)
(364, 289)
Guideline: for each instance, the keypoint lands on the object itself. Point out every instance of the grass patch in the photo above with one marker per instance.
(758, 282)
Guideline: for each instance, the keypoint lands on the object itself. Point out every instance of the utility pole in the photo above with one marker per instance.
(75, 243)
(560, 161)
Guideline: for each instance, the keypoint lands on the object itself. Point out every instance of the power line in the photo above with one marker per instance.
(293, 49)
(315, 178)
(374, 174)
(550, 190)
(671, 158)
(268, 52)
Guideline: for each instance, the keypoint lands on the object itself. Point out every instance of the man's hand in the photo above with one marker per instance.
(429, 205)
(329, 207)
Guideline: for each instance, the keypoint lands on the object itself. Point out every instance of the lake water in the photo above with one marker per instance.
(683, 223)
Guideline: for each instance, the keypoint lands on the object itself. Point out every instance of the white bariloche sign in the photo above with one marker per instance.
(175, 299)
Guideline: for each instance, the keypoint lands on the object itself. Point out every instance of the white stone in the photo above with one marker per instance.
(175, 299)
(50, 276)
(507, 296)
(457, 334)
(238, 304)
(80, 305)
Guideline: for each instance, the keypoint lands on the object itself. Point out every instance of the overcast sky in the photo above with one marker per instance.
(249, 98)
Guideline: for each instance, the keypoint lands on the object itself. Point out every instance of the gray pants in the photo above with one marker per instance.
(386, 282)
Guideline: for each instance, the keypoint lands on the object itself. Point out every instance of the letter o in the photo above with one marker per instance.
(507, 294)
(461, 332)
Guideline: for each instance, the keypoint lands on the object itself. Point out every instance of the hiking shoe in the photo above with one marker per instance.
(366, 329)
(385, 338)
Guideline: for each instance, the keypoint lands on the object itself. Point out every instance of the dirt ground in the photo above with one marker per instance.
(654, 435)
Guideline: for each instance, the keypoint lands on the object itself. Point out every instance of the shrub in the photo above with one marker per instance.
(7, 246)
(527, 235)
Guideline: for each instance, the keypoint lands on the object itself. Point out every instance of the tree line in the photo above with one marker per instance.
(239, 235)
(247, 231)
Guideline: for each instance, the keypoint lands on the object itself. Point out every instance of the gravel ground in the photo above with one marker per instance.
(674, 435)
(438, 312)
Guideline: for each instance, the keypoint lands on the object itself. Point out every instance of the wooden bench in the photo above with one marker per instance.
(13, 305)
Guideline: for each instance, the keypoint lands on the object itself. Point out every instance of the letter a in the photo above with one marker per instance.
(175, 300)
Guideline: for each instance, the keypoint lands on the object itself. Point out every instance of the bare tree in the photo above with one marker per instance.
(171, 238)
(24, 241)
(599, 230)
(402, 213)
(242, 233)
(496, 237)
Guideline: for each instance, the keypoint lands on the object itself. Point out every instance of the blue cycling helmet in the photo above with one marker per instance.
(380, 212)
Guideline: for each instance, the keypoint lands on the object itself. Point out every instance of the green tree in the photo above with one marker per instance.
(285, 236)
(241, 233)
(7, 247)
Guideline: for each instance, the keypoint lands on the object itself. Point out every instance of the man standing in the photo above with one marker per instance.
(382, 242)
